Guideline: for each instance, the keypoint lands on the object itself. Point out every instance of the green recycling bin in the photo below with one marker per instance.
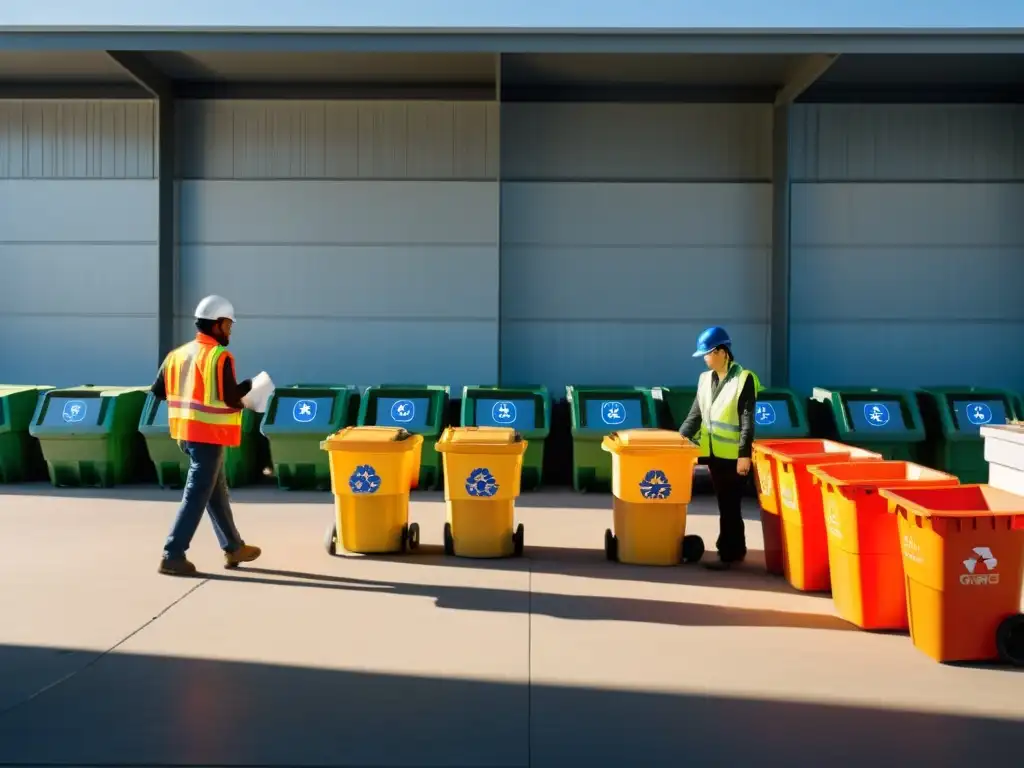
(240, 462)
(298, 417)
(525, 409)
(675, 403)
(419, 410)
(595, 412)
(20, 457)
(953, 418)
(886, 421)
(89, 435)
(780, 414)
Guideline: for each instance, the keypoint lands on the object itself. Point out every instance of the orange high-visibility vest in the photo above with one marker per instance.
(194, 378)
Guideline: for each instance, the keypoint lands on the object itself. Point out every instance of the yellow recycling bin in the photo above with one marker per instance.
(371, 475)
(482, 471)
(652, 483)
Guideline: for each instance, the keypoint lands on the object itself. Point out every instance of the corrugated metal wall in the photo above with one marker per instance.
(626, 229)
(357, 240)
(907, 245)
(78, 253)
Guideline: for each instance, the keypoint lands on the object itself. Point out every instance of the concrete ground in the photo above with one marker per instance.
(557, 659)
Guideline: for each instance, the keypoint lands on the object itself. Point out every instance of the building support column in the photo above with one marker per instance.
(779, 273)
(497, 97)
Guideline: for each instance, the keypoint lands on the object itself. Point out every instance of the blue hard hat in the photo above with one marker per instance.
(710, 338)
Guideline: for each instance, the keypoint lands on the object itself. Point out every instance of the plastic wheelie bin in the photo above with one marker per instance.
(886, 421)
(297, 418)
(20, 456)
(804, 541)
(596, 412)
(864, 558)
(421, 410)
(371, 475)
(963, 555)
(90, 437)
(953, 418)
(525, 409)
(652, 482)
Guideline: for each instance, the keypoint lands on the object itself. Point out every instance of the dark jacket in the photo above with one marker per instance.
(747, 404)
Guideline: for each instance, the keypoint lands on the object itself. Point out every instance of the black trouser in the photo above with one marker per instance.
(729, 486)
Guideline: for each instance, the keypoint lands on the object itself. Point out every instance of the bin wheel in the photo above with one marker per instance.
(692, 549)
(403, 543)
(1010, 640)
(449, 542)
(611, 546)
(519, 540)
(331, 539)
(413, 540)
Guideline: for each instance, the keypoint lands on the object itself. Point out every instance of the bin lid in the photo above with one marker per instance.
(647, 439)
(371, 437)
(960, 501)
(481, 440)
(872, 475)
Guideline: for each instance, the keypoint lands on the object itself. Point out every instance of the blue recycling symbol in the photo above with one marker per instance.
(765, 414)
(481, 483)
(876, 414)
(655, 485)
(304, 411)
(979, 414)
(403, 411)
(613, 413)
(74, 411)
(364, 480)
(503, 412)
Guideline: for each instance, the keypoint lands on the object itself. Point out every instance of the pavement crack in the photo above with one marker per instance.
(99, 656)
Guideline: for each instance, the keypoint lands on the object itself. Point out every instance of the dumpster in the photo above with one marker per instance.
(525, 409)
(596, 412)
(171, 463)
(421, 410)
(1004, 453)
(297, 419)
(652, 482)
(864, 558)
(482, 473)
(953, 418)
(963, 555)
(886, 421)
(89, 435)
(371, 475)
(20, 457)
(804, 540)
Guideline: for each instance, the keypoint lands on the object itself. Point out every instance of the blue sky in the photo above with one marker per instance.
(509, 13)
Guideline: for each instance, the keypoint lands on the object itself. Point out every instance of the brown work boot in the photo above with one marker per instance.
(176, 567)
(244, 554)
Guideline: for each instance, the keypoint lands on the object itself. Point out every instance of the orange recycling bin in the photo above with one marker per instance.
(804, 541)
(864, 559)
(963, 555)
(766, 475)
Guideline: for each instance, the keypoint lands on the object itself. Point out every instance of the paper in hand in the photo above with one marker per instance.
(260, 394)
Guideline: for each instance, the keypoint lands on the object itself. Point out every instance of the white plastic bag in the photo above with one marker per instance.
(260, 394)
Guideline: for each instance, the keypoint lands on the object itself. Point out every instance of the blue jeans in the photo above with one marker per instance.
(206, 488)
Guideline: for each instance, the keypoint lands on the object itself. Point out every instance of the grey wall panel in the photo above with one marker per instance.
(77, 140)
(338, 140)
(678, 142)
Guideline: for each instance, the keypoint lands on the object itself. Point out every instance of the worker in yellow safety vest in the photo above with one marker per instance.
(723, 414)
(204, 411)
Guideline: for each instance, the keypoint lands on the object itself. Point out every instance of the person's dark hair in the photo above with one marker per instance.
(728, 351)
(205, 326)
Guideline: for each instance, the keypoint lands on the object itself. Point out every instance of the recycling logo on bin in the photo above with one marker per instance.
(504, 412)
(613, 413)
(364, 480)
(876, 414)
(304, 411)
(979, 414)
(74, 411)
(403, 411)
(655, 485)
(765, 414)
(481, 483)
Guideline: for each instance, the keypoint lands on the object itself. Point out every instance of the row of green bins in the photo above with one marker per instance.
(20, 457)
(596, 412)
(89, 435)
(525, 409)
(780, 413)
(953, 418)
(885, 421)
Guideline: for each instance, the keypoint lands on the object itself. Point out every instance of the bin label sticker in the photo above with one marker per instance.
(980, 566)
(403, 411)
(979, 413)
(613, 413)
(655, 485)
(912, 550)
(364, 480)
(74, 411)
(765, 414)
(304, 411)
(481, 483)
(787, 491)
(503, 412)
(876, 414)
(764, 476)
(832, 521)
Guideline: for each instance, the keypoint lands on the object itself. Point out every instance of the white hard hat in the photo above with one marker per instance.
(214, 308)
